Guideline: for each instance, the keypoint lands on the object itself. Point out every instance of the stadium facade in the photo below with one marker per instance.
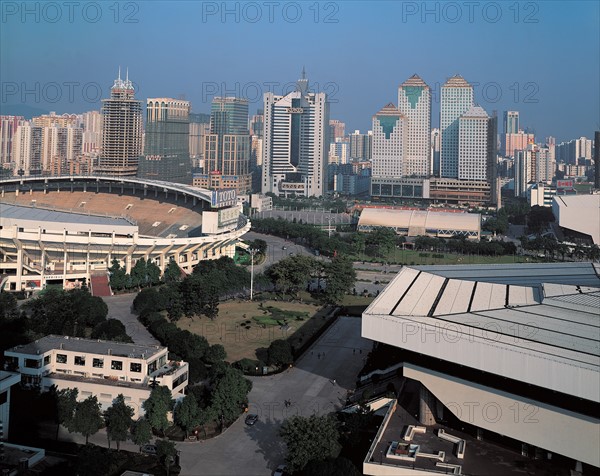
(506, 352)
(61, 230)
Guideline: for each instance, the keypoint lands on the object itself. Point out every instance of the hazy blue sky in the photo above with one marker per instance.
(540, 58)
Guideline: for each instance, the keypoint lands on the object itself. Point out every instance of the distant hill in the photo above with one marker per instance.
(21, 110)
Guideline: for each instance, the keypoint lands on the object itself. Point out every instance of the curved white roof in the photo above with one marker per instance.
(420, 219)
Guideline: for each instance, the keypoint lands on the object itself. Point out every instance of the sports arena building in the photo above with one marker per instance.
(507, 353)
(422, 222)
(64, 230)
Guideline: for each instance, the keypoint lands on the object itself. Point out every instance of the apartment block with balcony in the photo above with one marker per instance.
(101, 368)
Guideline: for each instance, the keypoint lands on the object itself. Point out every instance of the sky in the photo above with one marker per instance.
(539, 58)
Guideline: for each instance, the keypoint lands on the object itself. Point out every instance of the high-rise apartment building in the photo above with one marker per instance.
(92, 132)
(296, 142)
(27, 150)
(473, 145)
(360, 145)
(339, 151)
(533, 165)
(515, 141)
(60, 146)
(122, 126)
(8, 128)
(389, 139)
(414, 102)
(457, 98)
(511, 122)
(199, 129)
(257, 124)
(227, 147)
(337, 130)
(53, 119)
(166, 141)
(569, 152)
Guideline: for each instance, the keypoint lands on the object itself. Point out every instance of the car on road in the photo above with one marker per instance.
(284, 247)
(251, 419)
(281, 470)
(149, 449)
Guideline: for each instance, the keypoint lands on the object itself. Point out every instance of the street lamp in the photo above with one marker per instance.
(252, 252)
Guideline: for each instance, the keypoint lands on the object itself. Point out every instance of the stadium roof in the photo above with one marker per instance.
(580, 213)
(20, 212)
(420, 219)
(532, 323)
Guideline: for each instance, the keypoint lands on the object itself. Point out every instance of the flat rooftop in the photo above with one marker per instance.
(20, 212)
(481, 457)
(91, 346)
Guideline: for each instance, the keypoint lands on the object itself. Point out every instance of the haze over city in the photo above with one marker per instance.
(540, 58)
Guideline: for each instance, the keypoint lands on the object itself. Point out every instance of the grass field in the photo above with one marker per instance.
(409, 256)
(241, 335)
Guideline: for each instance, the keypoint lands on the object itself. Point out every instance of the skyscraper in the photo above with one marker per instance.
(92, 132)
(122, 126)
(227, 147)
(296, 142)
(337, 130)
(166, 142)
(27, 149)
(473, 150)
(457, 98)
(360, 145)
(414, 102)
(511, 122)
(389, 139)
(8, 128)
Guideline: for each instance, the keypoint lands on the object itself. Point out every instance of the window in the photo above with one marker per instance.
(46, 359)
(61, 358)
(116, 365)
(33, 363)
(135, 367)
(98, 363)
(151, 367)
(79, 360)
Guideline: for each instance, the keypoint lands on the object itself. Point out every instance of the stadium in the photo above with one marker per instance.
(68, 230)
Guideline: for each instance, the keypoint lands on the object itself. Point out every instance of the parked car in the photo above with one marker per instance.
(251, 419)
(149, 449)
(281, 470)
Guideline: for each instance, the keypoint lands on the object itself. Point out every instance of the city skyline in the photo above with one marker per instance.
(530, 79)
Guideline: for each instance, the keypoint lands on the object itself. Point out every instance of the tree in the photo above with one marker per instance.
(187, 413)
(280, 352)
(340, 277)
(215, 353)
(8, 306)
(111, 329)
(381, 241)
(307, 439)
(141, 432)
(166, 452)
(292, 274)
(66, 402)
(87, 419)
(172, 272)
(118, 277)
(230, 392)
(158, 404)
(118, 420)
(331, 467)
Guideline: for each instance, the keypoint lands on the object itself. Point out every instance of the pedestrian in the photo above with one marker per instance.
(360, 351)
(354, 351)
(319, 355)
(333, 381)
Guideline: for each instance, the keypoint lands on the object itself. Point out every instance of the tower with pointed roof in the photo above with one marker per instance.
(456, 99)
(414, 102)
(122, 128)
(296, 142)
(388, 146)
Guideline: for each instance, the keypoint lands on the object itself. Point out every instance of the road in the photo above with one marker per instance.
(257, 450)
(119, 307)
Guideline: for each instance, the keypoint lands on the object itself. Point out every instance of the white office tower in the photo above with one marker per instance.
(389, 137)
(27, 150)
(457, 98)
(414, 101)
(296, 142)
(473, 151)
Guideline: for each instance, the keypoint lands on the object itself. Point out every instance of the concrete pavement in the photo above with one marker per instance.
(119, 307)
(257, 450)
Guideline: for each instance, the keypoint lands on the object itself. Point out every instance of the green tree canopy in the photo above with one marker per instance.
(158, 404)
(66, 403)
(340, 278)
(229, 392)
(292, 274)
(141, 432)
(187, 413)
(215, 353)
(313, 438)
(280, 353)
(118, 420)
(87, 419)
(166, 452)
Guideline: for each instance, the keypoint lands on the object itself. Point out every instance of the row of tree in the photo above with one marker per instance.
(143, 274)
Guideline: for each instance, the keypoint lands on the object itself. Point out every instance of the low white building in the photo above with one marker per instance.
(101, 368)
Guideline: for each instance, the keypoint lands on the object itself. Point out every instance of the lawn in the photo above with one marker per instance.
(414, 257)
(236, 329)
